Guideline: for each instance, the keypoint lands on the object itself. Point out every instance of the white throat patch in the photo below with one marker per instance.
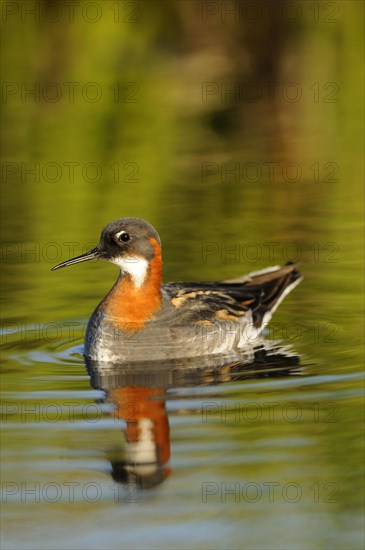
(135, 266)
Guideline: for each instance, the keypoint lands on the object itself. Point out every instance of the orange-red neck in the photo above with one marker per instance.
(129, 306)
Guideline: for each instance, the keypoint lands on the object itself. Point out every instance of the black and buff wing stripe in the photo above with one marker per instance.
(258, 293)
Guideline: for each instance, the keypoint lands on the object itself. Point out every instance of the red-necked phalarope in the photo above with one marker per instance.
(142, 319)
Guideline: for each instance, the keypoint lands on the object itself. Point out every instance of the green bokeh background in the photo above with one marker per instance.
(154, 144)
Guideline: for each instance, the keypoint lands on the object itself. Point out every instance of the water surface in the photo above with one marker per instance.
(261, 452)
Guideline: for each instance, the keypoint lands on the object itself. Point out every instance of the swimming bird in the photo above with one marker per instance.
(143, 319)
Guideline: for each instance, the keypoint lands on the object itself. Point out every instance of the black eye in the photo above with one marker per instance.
(124, 237)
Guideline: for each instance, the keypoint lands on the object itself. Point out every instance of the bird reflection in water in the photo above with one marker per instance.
(138, 393)
(146, 462)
